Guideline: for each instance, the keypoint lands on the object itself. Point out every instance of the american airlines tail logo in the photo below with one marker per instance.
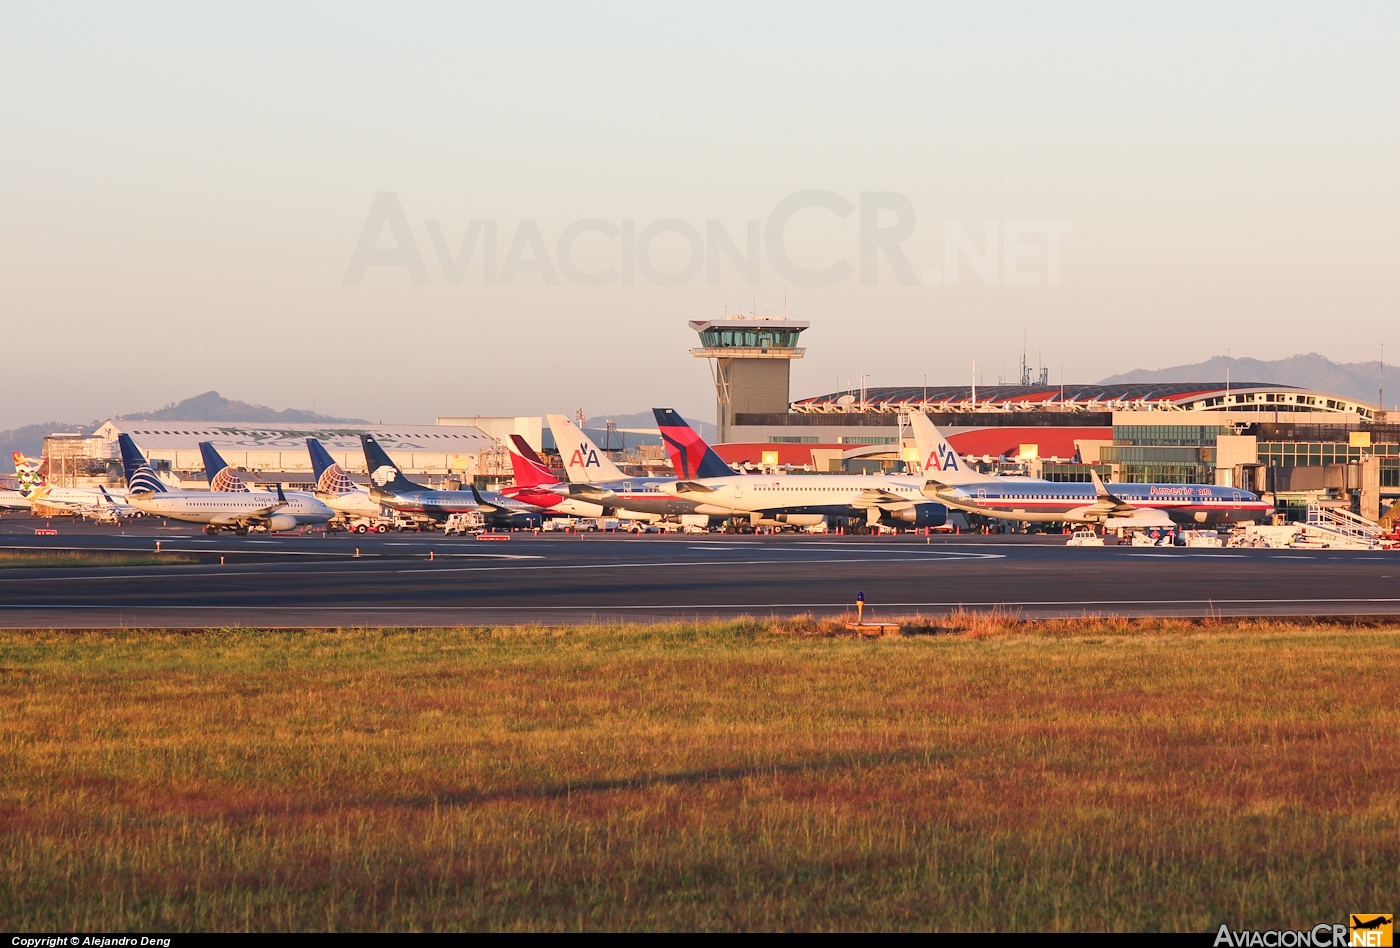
(942, 458)
(584, 457)
(333, 480)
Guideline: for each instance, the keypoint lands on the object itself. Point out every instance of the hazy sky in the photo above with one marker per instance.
(182, 193)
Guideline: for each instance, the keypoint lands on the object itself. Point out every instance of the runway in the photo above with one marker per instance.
(319, 581)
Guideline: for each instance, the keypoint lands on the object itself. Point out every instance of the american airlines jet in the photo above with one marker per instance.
(950, 481)
(795, 499)
(227, 505)
(593, 477)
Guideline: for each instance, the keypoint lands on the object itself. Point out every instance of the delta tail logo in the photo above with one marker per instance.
(585, 457)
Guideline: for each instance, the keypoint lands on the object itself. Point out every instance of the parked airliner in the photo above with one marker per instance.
(593, 477)
(795, 499)
(335, 489)
(389, 487)
(234, 508)
(950, 481)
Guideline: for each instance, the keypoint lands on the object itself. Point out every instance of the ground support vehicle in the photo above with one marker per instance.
(1084, 538)
(460, 524)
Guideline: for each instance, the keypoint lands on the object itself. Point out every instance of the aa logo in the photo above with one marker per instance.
(584, 457)
(1372, 931)
(943, 458)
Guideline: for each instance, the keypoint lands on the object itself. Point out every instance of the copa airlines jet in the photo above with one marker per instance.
(595, 479)
(796, 499)
(951, 481)
(227, 505)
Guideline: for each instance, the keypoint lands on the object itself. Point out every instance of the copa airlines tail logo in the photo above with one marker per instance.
(333, 480)
(144, 481)
(383, 475)
(942, 458)
(227, 481)
(584, 457)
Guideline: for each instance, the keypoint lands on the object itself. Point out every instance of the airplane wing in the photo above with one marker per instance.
(693, 487)
(481, 501)
(1106, 502)
(875, 497)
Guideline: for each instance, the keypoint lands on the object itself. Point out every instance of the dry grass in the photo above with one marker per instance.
(33, 559)
(991, 774)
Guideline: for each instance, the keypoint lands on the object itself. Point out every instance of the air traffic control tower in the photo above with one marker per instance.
(752, 364)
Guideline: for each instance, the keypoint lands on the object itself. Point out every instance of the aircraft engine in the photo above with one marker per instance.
(280, 523)
(919, 515)
(800, 520)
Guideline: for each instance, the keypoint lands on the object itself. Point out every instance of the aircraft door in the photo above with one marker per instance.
(1235, 499)
(981, 496)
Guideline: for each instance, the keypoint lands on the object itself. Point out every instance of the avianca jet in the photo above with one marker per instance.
(593, 477)
(796, 499)
(950, 481)
(228, 505)
(536, 484)
(335, 489)
(390, 488)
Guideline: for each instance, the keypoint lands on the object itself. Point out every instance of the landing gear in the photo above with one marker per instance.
(240, 531)
(211, 529)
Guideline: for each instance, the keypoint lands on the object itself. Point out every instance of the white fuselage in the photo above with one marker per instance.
(230, 508)
(78, 498)
(835, 494)
(355, 503)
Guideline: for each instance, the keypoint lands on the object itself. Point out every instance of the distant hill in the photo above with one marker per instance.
(211, 406)
(29, 440)
(1356, 380)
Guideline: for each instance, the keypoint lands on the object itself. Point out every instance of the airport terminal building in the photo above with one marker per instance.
(1293, 444)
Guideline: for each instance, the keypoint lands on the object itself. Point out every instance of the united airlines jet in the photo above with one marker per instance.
(950, 481)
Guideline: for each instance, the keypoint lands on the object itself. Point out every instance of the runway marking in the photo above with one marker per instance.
(586, 607)
(233, 572)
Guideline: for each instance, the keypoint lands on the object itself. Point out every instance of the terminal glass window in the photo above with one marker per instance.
(1169, 435)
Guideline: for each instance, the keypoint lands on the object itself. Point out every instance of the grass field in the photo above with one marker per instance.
(36, 559)
(984, 775)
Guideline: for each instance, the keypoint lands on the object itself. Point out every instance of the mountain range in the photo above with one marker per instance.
(1358, 381)
(210, 406)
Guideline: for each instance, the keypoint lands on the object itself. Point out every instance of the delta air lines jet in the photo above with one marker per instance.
(795, 499)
